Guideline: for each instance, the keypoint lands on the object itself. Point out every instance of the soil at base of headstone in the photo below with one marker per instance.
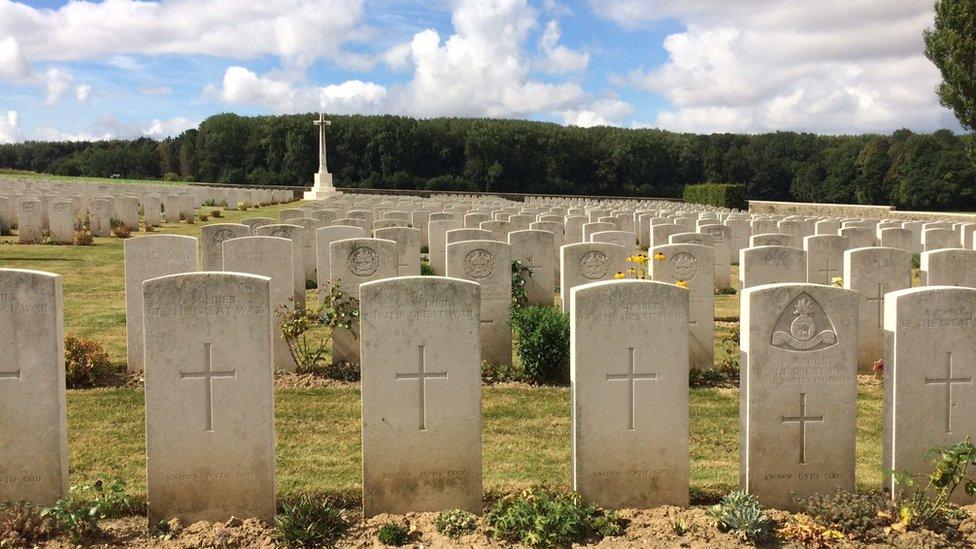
(645, 527)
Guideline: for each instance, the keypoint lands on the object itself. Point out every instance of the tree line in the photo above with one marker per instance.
(905, 169)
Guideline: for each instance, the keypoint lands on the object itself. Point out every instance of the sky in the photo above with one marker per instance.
(125, 68)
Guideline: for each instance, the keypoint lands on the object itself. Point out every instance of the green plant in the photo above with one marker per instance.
(216, 213)
(23, 524)
(455, 523)
(496, 373)
(715, 194)
(728, 290)
(546, 518)
(84, 361)
(243, 206)
(520, 273)
(119, 229)
(426, 269)
(393, 533)
(863, 514)
(425, 249)
(543, 343)
(79, 513)
(309, 522)
(308, 346)
(679, 526)
(930, 506)
(916, 261)
(741, 514)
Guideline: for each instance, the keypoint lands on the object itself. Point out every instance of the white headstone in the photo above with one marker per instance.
(489, 263)
(872, 273)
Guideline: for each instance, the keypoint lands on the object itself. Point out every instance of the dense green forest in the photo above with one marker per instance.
(905, 169)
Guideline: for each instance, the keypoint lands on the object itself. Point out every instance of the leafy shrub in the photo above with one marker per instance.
(717, 194)
(728, 290)
(545, 518)
(22, 524)
(495, 373)
(84, 237)
(859, 513)
(308, 346)
(425, 249)
(741, 514)
(802, 529)
(243, 206)
(309, 522)
(916, 261)
(393, 533)
(543, 343)
(121, 231)
(930, 507)
(204, 217)
(520, 274)
(455, 523)
(79, 513)
(84, 362)
(216, 213)
(426, 269)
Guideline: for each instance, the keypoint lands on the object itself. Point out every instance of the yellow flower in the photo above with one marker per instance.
(619, 275)
(642, 258)
(659, 256)
(631, 271)
(681, 284)
(837, 281)
(633, 259)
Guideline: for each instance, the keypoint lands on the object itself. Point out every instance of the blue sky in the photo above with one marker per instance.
(122, 68)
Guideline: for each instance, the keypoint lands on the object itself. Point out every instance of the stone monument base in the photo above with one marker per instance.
(322, 189)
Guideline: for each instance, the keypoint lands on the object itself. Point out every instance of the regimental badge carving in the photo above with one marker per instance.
(594, 265)
(364, 261)
(222, 235)
(804, 326)
(683, 266)
(281, 233)
(479, 263)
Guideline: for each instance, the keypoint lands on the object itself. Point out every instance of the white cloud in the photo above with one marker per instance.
(83, 93)
(13, 64)
(9, 127)
(48, 133)
(298, 31)
(56, 84)
(560, 59)
(602, 112)
(836, 66)
(168, 128)
(155, 90)
(241, 86)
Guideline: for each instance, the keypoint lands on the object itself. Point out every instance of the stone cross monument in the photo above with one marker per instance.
(323, 187)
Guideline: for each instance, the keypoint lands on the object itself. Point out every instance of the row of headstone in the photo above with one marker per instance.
(209, 352)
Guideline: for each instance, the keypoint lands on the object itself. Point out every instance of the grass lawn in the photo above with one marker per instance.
(526, 439)
(526, 429)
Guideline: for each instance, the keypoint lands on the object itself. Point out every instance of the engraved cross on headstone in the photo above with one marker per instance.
(422, 376)
(827, 270)
(208, 375)
(802, 421)
(631, 377)
(947, 382)
(879, 298)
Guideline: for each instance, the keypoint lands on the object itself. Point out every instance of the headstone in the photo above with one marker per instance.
(324, 238)
(270, 257)
(310, 245)
(294, 233)
(499, 228)
(171, 208)
(930, 367)
(33, 412)
(587, 262)
(62, 221)
(720, 243)
(827, 226)
(691, 264)
(100, 217)
(489, 263)
(873, 272)
(825, 257)
(210, 446)
(952, 267)
(626, 239)
(896, 238)
(212, 238)
(630, 394)
(29, 222)
(574, 229)
(771, 265)
(798, 409)
(534, 250)
(597, 227)
(939, 239)
(438, 243)
(661, 233)
(128, 212)
(421, 394)
(255, 222)
(860, 237)
(772, 239)
(152, 210)
(148, 257)
(407, 248)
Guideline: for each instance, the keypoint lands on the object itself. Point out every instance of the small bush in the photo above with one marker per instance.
(494, 373)
(243, 206)
(425, 249)
(916, 261)
(455, 523)
(741, 514)
(79, 513)
(84, 362)
(204, 217)
(121, 231)
(543, 343)
(728, 290)
(393, 533)
(216, 213)
(545, 518)
(930, 506)
(310, 522)
(716, 194)
(863, 514)
(22, 524)
(426, 269)
(84, 237)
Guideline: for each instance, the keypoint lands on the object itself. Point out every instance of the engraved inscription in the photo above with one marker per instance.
(594, 265)
(479, 264)
(804, 326)
(364, 261)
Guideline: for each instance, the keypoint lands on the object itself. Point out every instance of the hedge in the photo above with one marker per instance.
(716, 194)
